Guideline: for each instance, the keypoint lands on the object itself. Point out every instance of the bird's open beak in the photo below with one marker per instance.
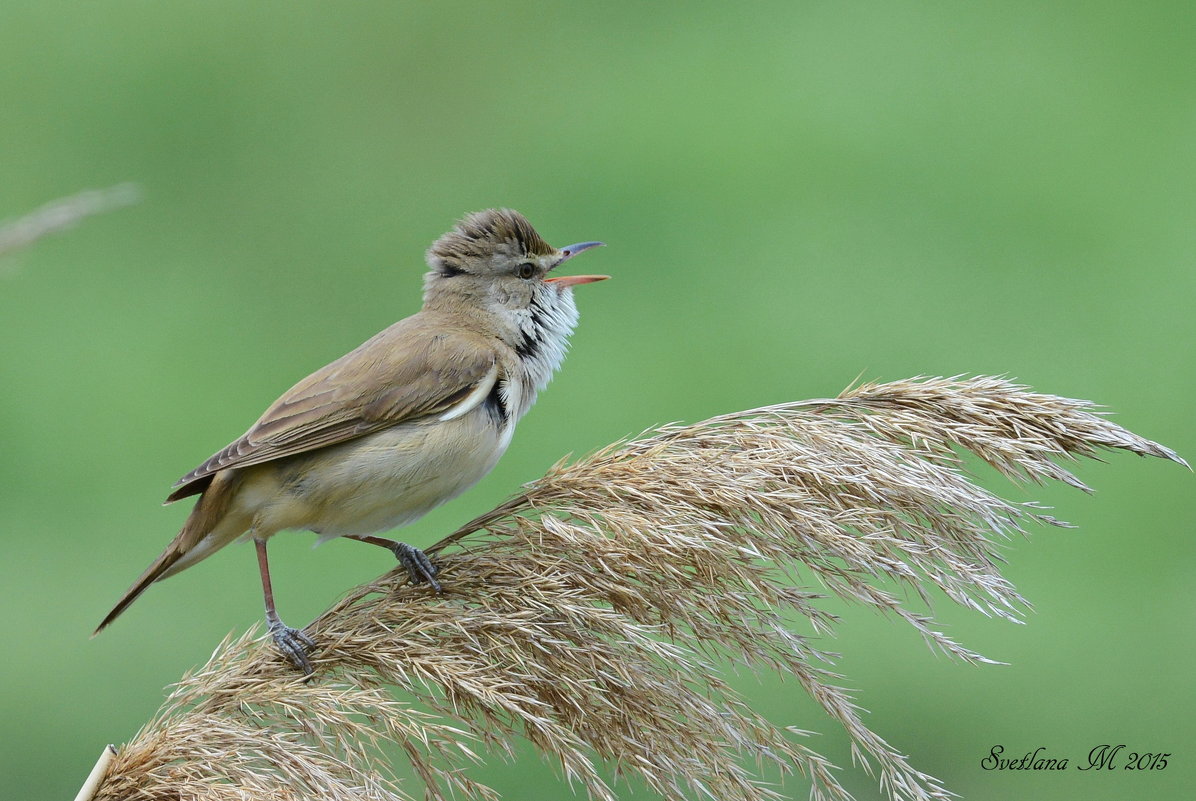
(564, 281)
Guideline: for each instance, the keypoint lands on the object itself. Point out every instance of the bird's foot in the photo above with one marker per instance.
(418, 564)
(294, 644)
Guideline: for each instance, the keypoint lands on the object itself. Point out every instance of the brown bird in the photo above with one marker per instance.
(408, 420)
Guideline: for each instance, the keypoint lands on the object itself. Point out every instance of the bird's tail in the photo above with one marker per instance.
(193, 543)
(152, 573)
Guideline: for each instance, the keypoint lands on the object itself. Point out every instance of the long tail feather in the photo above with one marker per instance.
(151, 574)
(192, 544)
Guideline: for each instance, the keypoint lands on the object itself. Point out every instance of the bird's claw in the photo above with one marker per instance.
(294, 644)
(418, 564)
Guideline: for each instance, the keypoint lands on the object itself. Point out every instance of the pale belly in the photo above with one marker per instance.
(379, 482)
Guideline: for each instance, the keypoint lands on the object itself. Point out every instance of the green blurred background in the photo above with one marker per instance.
(793, 194)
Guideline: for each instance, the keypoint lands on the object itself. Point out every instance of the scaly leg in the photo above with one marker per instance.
(416, 561)
(293, 643)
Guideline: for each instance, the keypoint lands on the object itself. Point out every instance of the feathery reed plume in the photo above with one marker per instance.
(588, 613)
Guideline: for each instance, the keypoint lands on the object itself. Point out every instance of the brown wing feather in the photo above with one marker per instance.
(404, 373)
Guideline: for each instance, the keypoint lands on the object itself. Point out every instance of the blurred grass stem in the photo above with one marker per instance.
(62, 214)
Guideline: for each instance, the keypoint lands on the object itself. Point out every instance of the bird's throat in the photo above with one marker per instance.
(544, 332)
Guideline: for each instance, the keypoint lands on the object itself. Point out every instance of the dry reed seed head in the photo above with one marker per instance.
(1015, 430)
(592, 613)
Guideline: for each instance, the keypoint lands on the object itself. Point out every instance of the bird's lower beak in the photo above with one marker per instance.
(565, 281)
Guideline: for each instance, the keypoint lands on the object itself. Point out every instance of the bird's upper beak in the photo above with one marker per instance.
(568, 252)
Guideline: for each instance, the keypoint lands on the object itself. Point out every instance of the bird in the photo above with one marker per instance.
(406, 421)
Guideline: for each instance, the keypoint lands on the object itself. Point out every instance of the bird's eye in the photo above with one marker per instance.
(525, 270)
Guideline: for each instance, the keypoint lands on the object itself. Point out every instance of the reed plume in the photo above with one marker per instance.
(590, 613)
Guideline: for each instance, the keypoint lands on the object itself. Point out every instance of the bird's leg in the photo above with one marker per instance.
(293, 643)
(416, 561)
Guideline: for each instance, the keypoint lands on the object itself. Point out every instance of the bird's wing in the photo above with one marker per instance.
(404, 373)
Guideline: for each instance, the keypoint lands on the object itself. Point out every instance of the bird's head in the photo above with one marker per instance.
(495, 260)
